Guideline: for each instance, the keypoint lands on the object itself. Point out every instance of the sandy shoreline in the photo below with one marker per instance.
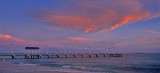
(6, 67)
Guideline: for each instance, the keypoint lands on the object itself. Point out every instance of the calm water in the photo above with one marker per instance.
(129, 63)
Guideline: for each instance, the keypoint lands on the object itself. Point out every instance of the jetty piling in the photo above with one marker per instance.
(13, 56)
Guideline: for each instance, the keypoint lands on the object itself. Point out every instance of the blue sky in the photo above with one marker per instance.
(125, 24)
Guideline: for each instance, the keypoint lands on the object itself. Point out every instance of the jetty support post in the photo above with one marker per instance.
(26, 56)
(39, 56)
(82, 55)
(13, 56)
(66, 55)
(96, 55)
(48, 56)
(74, 55)
(57, 56)
(104, 55)
(89, 55)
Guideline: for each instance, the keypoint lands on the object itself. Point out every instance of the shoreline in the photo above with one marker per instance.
(7, 67)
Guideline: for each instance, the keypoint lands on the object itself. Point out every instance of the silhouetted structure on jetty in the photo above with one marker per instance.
(33, 54)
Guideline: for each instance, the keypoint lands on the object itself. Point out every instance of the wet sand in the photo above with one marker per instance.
(6, 67)
(43, 72)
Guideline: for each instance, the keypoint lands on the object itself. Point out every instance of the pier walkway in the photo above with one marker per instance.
(71, 55)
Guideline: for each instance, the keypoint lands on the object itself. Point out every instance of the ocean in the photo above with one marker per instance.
(129, 63)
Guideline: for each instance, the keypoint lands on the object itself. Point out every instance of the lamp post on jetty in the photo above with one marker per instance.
(65, 50)
(89, 52)
(12, 48)
(47, 50)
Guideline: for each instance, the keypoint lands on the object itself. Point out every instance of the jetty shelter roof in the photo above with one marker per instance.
(31, 48)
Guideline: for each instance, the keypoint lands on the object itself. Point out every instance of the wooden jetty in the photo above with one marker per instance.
(35, 50)
(71, 55)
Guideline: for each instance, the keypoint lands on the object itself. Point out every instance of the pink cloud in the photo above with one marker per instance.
(156, 15)
(155, 39)
(6, 39)
(151, 31)
(80, 39)
(149, 41)
(141, 39)
(2, 36)
(96, 16)
(121, 43)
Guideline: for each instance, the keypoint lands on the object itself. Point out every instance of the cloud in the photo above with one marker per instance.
(156, 15)
(151, 31)
(80, 39)
(6, 40)
(121, 43)
(6, 37)
(154, 39)
(95, 16)
(141, 39)
(2, 36)
(149, 41)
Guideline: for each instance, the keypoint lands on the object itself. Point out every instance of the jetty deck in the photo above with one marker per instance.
(71, 55)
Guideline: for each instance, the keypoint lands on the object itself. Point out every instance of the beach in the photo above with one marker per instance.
(6, 67)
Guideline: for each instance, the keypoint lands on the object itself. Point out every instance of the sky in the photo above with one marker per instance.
(128, 26)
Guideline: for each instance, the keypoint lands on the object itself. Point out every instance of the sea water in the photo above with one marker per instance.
(129, 63)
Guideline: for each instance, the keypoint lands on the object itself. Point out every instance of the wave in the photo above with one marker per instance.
(27, 64)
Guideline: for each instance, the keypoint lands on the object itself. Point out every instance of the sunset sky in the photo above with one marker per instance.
(81, 25)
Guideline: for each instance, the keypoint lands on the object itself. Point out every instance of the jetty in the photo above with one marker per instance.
(34, 53)
(62, 55)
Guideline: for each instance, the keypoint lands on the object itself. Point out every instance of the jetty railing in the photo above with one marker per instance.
(73, 55)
